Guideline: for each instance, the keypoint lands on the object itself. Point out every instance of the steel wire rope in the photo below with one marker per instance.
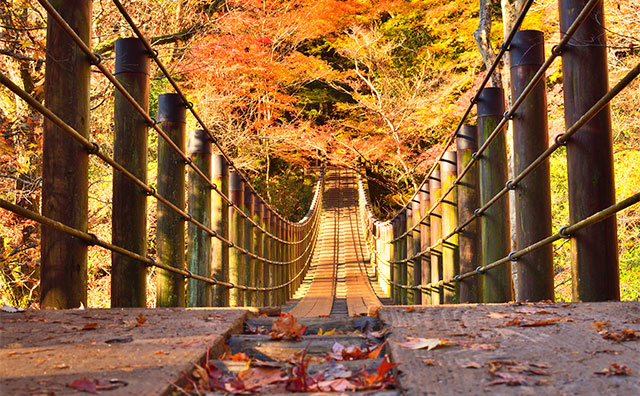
(91, 239)
(507, 115)
(95, 60)
(503, 49)
(564, 233)
(559, 142)
(92, 149)
(190, 107)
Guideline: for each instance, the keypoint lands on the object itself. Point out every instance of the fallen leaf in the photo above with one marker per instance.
(257, 377)
(287, 327)
(422, 343)
(508, 379)
(524, 323)
(381, 379)
(637, 320)
(472, 365)
(336, 385)
(379, 334)
(84, 384)
(481, 347)
(140, 319)
(615, 369)
(599, 325)
(620, 335)
(410, 309)
(327, 333)
(238, 357)
(90, 326)
(429, 362)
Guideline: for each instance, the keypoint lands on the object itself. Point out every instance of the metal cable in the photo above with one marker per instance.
(148, 189)
(91, 239)
(503, 49)
(178, 90)
(94, 59)
(507, 115)
(559, 142)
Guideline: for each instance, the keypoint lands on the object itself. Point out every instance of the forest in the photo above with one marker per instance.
(286, 83)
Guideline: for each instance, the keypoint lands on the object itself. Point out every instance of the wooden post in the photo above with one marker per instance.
(249, 263)
(236, 227)
(450, 262)
(267, 269)
(394, 253)
(594, 250)
(533, 194)
(282, 295)
(494, 223)
(170, 235)
(468, 201)
(258, 266)
(290, 253)
(435, 228)
(129, 276)
(402, 268)
(425, 242)
(220, 223)
(416, 273)
(199, 242)
(275, 254)
(65, 162)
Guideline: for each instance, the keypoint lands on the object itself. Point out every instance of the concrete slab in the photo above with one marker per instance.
(43, 350)
(556, 359)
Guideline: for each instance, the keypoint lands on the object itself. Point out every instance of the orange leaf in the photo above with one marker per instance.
(287, 327)
(90, 326)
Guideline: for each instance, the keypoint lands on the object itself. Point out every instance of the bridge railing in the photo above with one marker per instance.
(240, 250)
(451, 242)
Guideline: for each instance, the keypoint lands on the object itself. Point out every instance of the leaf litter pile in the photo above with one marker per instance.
(275, 377)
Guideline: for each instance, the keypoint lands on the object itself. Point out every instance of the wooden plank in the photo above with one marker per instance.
(569, 351)
(43, 350)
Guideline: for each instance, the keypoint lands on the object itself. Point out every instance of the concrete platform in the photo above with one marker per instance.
(43, 350)
(556, 359)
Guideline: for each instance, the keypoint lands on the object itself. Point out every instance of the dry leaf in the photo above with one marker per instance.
(140, 319)
(256, 377)
(410, 309)
(524, 323)
(327, 333)
(238, 357)
(508, 379)
(472, 365)
(599, 325)
(620, 335)
(287, 327)
(615, 369)
(422, 343)
(90, 326)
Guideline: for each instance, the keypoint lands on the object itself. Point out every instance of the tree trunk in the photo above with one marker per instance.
(482, 36)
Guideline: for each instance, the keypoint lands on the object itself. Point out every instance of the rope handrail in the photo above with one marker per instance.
(561, 139)
(94, 60)
(508, 114)
(92, 239)
(592, 112)
(91, 147)
(503, 49)
(190, 107)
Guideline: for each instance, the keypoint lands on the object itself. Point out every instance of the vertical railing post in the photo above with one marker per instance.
(129, 228)
(468, 201)
(258, 265)
(277, 256)
(248, 271)
(534, 271)
(416, 275)
(282, 269)
(450, 262)
(267, 269)
(425, 242)
(199, 202)
(394, 253)
(64, 162)
(170, 235)
(236, 227)
(220, 224)
(390, 256)
(402, 268)
(290, 253)
(408, 275)
(435, 228)
(594, 250)
(494, 223)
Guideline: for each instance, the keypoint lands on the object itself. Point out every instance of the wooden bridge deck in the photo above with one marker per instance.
(339, 282)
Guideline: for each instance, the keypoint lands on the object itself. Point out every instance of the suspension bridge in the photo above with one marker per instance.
(416, 285)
